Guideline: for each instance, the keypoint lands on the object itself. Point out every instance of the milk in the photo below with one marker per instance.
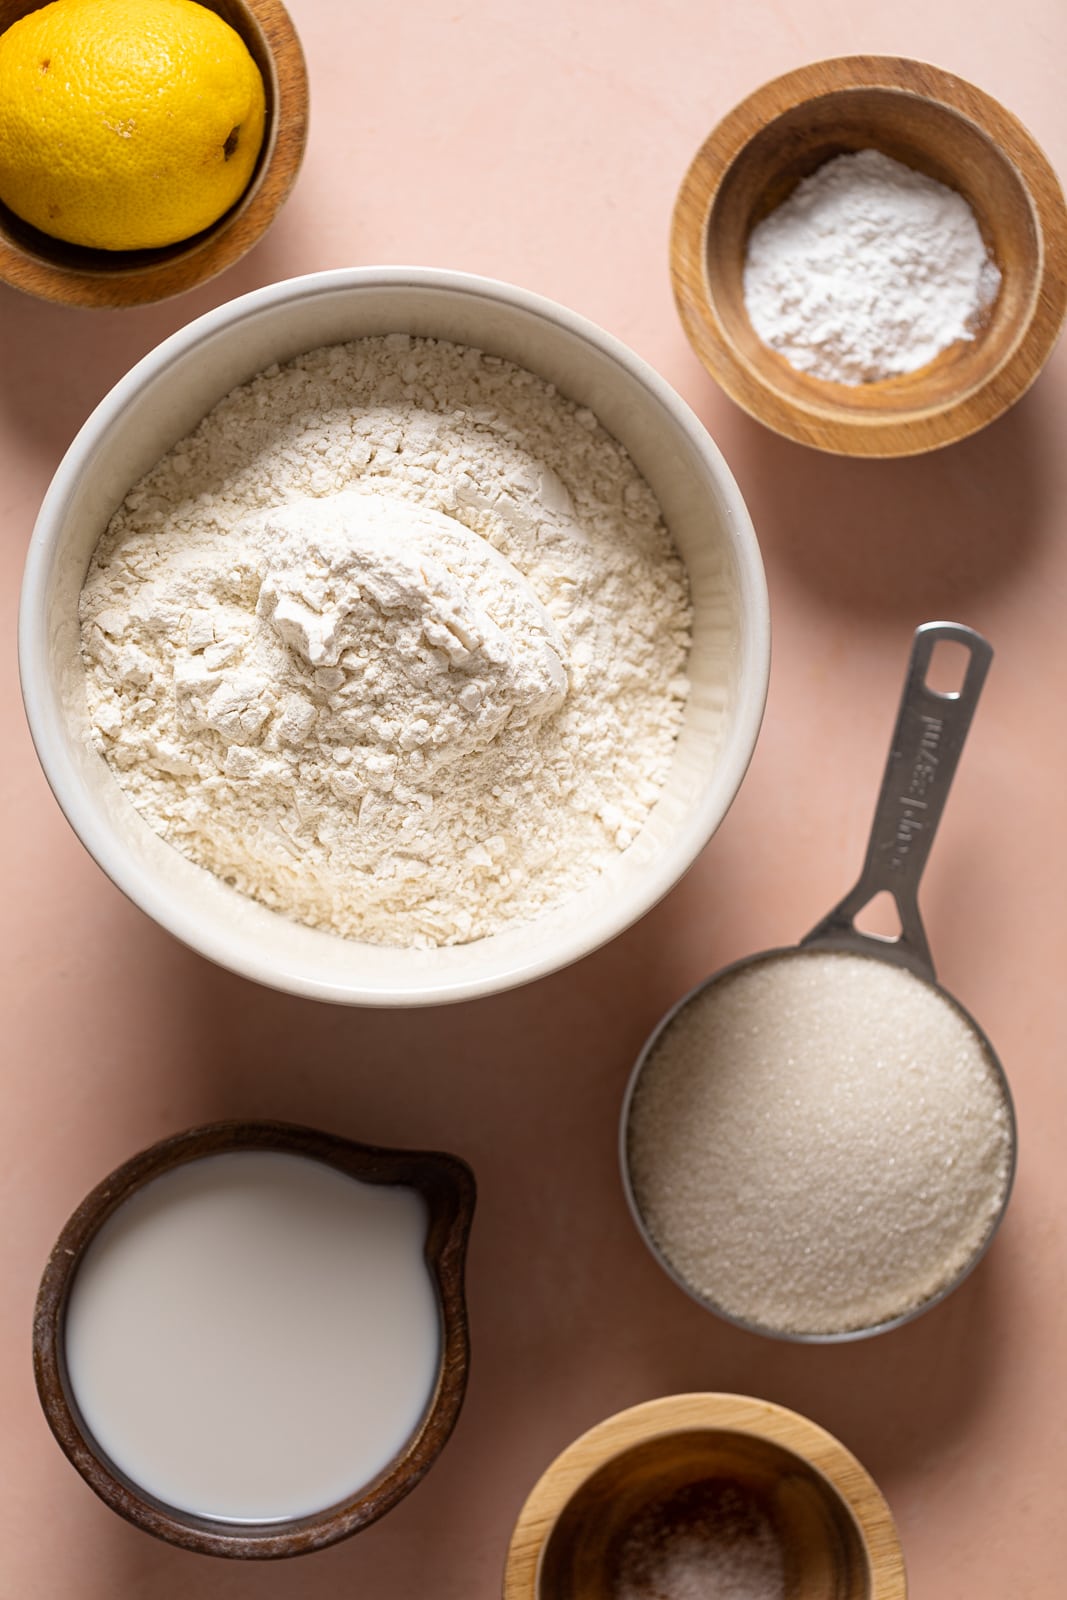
(254, 1335)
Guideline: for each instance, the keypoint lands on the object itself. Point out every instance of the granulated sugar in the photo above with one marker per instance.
(709, 1541)
(394, 642)
(819, 1142)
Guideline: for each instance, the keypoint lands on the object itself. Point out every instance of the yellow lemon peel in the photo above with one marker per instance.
(126, 124)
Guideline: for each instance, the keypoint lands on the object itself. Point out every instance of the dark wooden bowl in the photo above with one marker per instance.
(76, 276)
(447, 1186)
(836, 1533)
(935, 123)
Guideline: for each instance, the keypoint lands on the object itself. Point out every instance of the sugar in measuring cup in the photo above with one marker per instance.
(818, 1142)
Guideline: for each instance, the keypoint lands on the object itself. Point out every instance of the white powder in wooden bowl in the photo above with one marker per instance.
(867, 271)
(819, 1142)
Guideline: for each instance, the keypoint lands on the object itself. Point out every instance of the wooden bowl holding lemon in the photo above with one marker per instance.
(145, 145)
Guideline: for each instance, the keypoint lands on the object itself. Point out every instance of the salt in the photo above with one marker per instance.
(709, 1541)
(819, 1142)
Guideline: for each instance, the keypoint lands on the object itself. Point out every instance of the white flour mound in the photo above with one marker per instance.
(394, 642)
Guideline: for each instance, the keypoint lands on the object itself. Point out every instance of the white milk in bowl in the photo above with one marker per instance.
(254, 1336)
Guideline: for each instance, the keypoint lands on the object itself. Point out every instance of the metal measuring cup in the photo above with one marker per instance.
(927, 741)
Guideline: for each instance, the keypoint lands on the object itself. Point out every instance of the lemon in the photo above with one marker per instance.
(126, 124)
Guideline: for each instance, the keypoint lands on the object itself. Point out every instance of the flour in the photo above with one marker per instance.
(867, 271)
(394, 642)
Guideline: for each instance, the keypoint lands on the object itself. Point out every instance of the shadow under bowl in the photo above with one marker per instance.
(447, 1187)
(625, 1480)
(936, 124)
(74, 275)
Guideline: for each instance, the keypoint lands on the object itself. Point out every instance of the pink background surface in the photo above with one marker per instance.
(543, 143)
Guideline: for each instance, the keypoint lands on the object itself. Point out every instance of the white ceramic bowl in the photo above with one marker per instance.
(167, 394)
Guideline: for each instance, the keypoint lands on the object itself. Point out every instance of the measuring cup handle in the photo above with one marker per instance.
(927, 741)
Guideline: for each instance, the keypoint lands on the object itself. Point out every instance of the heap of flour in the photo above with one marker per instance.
(394, 642)
(387, 635)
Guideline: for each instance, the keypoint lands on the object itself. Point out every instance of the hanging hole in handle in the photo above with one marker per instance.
(880, 918)
(946, 671)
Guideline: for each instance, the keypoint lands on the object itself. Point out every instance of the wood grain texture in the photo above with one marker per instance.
(72, 275)
(935, 123)
(447, 1186)
(838, 1538)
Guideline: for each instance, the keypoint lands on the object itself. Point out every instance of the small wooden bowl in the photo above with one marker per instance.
(447, 1186)
(76, 276)
(935, 123)
(836, 1533)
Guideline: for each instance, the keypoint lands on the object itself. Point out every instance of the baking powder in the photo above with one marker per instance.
(867, 271)
(394, 642)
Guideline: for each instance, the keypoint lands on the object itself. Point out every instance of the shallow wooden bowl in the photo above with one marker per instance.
(447, 1186)
(935, 123)
(836, 1533)
(77, 276)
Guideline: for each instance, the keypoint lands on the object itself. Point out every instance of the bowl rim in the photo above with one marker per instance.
(188, 264)
(822, 426)
(448, 1188)
(49, 735)
(825, 1456)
